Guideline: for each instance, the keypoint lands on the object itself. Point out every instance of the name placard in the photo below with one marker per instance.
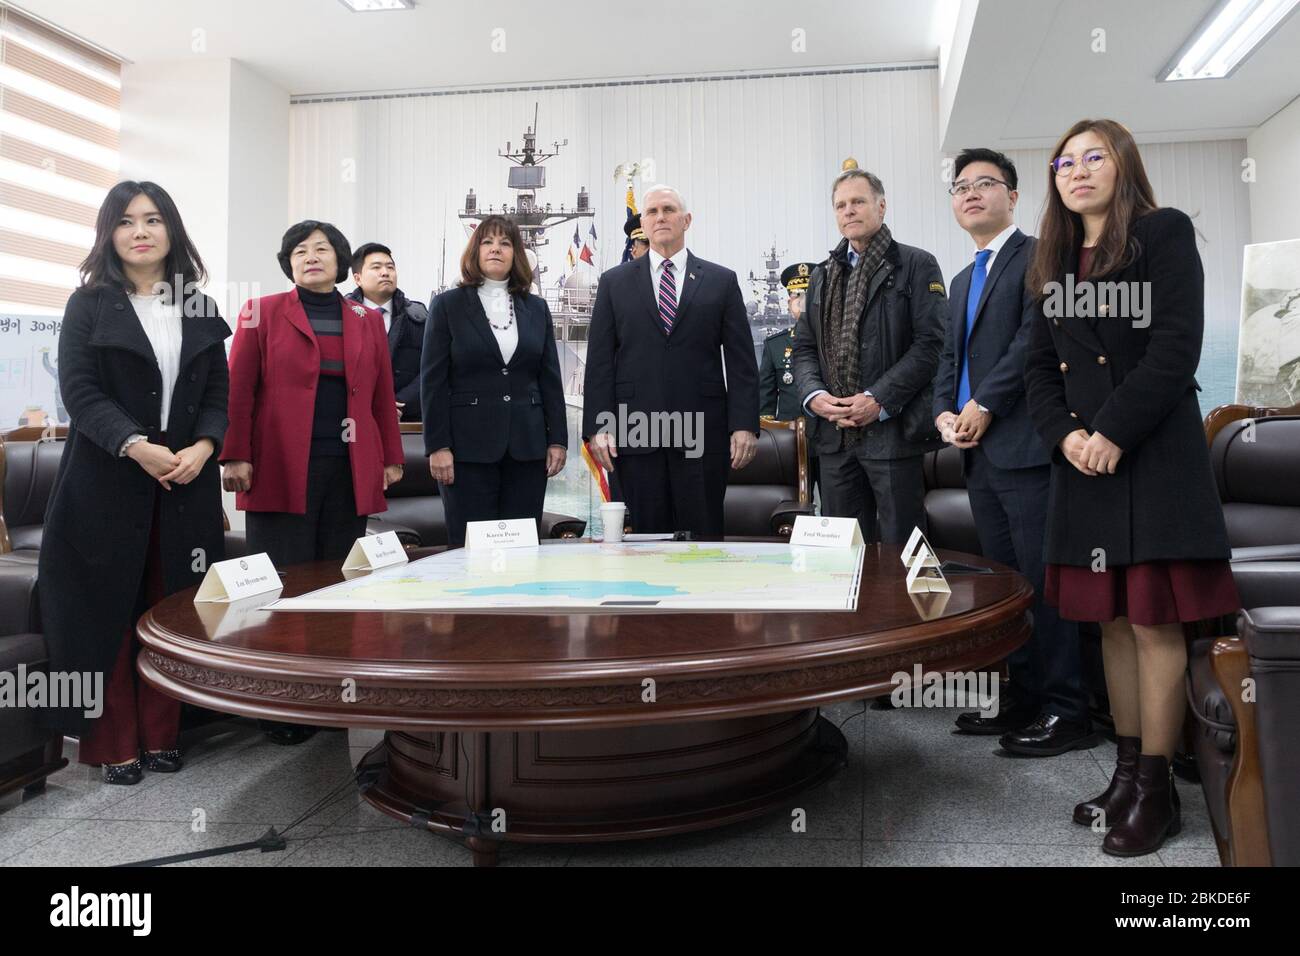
(923, 574)
(506, 533)
(238, 578)
(916, 541)
(817, 532)
(371, 551)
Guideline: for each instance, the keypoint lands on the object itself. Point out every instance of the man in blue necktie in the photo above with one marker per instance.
(980, 408)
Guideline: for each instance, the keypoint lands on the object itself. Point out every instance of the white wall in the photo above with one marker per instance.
(214, 134)
(176, 132)
(221, 151)
(1274, 198)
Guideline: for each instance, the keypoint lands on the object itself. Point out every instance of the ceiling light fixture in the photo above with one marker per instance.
(371, 6)
(1225, 38)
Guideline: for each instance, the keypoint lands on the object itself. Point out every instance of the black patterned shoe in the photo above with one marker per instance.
(126, 774)
(162, 761)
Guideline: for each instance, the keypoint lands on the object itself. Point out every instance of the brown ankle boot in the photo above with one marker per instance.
(1112, 806)
(1153, 815)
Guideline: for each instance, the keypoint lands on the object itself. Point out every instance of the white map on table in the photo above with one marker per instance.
(659, 575)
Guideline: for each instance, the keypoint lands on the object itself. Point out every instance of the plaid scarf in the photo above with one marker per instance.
(842, 316)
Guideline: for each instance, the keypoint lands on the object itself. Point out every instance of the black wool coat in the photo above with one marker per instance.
(100, 511)
(1132, 378)
(906, 302)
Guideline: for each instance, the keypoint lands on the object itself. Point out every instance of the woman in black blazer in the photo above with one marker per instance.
(135, 511)
(490, 387)
(1135, 539)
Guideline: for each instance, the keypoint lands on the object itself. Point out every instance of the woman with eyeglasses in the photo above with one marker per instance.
(1136, 538)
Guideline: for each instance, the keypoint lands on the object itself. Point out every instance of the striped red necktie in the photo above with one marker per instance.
(667, 297)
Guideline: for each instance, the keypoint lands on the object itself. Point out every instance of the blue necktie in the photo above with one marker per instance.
(977, 277)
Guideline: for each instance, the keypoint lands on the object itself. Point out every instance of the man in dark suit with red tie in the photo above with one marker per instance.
(980, 407)
(671, 389)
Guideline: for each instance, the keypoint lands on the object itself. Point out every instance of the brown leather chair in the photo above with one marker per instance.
(1244, 743)
(1257, 469)
(950, 523)
(765, 496)
(1245, 694)
(29, 461)
(28, 752)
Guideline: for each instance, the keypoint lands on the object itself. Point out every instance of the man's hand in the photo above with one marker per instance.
(859, 410)
(158, 460)
(192, 460)
(828, 406)
(400, 406)
(555, 458)
(972, 423)
(1072, 446)
(442, 466)
(392, 474)
(744, 446)
(603, 450)
(235, 475)
(1101, 454)
(946, 424)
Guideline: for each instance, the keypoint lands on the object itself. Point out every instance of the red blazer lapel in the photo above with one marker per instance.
(355, 329)
(297, 316)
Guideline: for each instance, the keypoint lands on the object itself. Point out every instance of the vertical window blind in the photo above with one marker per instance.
(59, 127)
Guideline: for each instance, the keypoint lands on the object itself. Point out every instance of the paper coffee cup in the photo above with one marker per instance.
(612, 514)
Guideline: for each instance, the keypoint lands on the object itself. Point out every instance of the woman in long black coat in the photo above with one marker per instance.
(135, 512)
(1136, 538)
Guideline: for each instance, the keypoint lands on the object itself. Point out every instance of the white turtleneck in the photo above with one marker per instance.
(497, 304)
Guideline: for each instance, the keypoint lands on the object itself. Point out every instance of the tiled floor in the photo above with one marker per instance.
(913, 793)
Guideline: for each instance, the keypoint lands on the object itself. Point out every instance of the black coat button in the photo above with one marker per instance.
(194, 376)
(118, 306)
(190, 409)
(180, 509)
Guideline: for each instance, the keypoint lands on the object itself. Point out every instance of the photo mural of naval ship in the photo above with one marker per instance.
(571, 296)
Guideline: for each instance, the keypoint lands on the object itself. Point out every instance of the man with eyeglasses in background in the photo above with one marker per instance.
(980, 407)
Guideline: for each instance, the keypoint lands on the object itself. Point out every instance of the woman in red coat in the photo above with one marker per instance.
(313, 439)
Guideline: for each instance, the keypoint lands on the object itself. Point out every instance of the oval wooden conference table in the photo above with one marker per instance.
(580, 726)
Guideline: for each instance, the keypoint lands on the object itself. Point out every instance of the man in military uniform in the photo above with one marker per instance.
(638, 244)
(777, 397)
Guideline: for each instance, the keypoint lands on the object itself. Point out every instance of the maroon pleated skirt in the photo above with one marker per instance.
(1156, 592)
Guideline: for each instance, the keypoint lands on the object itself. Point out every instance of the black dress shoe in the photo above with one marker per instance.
(126, 774)
(1049, 736)
(286, 734)
(1015, 715)
(162, 761)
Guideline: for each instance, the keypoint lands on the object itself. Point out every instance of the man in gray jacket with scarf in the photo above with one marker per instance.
(865, 353)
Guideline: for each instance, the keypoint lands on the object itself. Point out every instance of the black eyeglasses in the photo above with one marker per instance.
(1093, 160)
